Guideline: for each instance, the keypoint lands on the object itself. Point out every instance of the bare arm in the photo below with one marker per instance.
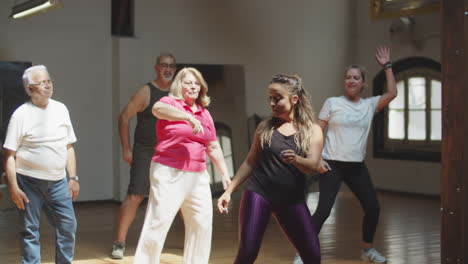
(168, 112)
(383, 56)
(323, 125)
(73, 186)
(243, 172)
(17, 195)
(137, 103)
(311, 161)
(216, 155)
(323, 165)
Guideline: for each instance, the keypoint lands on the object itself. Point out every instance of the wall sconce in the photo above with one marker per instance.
(33, 7)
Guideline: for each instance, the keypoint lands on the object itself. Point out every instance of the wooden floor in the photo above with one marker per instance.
(408, 233)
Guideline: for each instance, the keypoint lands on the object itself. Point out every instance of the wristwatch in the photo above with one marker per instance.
(75, 178)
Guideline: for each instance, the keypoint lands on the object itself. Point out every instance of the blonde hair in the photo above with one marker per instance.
(304, 117)
(361, 69)
(176, 86)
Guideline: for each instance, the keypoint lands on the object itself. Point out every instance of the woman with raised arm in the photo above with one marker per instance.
(285, 148)
(348, 120)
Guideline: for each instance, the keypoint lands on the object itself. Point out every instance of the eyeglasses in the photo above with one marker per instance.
(42, 83)
(168, 66)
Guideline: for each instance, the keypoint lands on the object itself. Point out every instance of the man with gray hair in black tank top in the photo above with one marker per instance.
(144, 141)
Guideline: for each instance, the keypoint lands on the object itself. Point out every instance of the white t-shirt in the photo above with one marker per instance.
(348, 127)
(40, 137)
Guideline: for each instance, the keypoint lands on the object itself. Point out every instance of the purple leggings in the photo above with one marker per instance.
(295, 221)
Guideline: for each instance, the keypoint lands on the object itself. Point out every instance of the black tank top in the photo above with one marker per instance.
(274, 180)
(145, 131)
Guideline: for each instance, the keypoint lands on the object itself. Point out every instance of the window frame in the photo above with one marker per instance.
(386, 148)
(222, 129)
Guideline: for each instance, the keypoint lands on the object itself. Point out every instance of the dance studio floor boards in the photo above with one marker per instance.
(408, 232)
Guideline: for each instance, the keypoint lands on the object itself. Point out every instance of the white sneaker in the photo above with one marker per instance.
(118, 249)
(297, 259)
(372, 255)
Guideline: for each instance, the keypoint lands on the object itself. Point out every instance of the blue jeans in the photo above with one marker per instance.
(54, 198)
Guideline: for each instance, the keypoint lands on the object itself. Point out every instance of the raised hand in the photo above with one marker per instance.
(382, 55)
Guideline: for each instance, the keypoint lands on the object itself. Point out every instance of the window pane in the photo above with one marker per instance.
(230, 165)
(417, 125)
(217, 177)
(396, 124)
(436, 95)
(209, 168)
(399, 101)
(436, 125)
(417, 93)
(226, 145)
(227, 152)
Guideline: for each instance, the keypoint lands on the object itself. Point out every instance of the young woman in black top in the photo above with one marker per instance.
(285, 147)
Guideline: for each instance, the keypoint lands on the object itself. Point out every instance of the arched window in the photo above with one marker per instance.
(223, 132)
(410, 128)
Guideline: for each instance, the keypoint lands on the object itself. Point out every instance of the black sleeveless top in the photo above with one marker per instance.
(145, 131)
(274, 180)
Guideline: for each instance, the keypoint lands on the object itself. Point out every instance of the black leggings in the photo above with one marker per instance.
(356, 176)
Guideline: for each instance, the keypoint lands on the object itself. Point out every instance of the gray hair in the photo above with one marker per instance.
(28, 74)
(166, 54)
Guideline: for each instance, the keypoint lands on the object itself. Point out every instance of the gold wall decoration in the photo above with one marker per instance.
(398, 8)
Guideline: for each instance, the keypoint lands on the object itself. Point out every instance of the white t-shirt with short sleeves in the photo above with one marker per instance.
(40, 137)
(349, 124)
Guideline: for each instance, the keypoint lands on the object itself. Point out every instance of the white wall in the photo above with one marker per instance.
(405, 176)
(268, 37)
(74, 43)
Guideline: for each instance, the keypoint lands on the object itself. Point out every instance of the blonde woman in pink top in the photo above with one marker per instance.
(178, 176)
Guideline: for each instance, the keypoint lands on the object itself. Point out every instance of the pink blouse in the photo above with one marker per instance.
(177, 146)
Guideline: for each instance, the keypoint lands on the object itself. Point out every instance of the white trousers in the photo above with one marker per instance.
(171, 190)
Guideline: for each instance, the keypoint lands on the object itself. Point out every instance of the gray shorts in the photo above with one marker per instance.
(139, 170)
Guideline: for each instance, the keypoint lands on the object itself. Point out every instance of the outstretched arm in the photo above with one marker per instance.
(243, 172)
(382, 56)
(216, 156)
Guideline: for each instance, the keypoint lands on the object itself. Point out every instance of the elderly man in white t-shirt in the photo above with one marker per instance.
(37, 149)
